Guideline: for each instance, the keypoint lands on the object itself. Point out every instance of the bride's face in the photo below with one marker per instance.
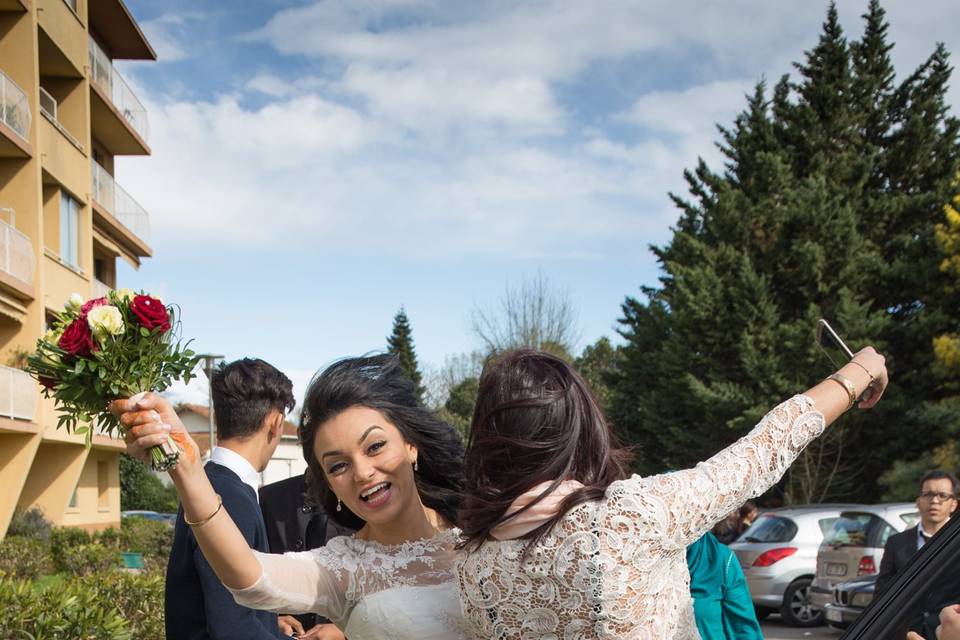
(367, 463)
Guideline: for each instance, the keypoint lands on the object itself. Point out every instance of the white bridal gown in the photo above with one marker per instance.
(616, 568)
(370, 590)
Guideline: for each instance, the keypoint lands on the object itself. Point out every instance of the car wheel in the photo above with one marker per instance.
(762, 612)
(797, 610)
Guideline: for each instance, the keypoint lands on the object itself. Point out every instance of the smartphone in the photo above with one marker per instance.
(836, 349)
(828, 339)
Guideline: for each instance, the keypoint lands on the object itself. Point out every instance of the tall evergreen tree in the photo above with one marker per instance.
(400, 344)
(826, 207)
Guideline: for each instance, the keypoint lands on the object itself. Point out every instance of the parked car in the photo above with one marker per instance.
(853, 547)
(850, 598)
(778, 554)
(166, 518)
(913, 601)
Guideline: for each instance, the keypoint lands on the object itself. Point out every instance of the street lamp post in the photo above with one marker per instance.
(209, 362)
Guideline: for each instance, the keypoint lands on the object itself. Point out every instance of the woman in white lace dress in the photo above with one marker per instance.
(374, 454)
(561, 545)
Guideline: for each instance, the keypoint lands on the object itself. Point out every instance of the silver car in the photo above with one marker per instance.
(854, 545)
(778, 554)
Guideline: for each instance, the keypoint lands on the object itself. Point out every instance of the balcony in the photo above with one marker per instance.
(18, 394)
(99, 289)
(118, 118)
(14, 120)
(122, 217)
(119, 32)
(14, 5)
(17, 262)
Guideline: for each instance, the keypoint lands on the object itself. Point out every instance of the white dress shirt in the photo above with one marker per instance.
(239, 465)
(922, 536)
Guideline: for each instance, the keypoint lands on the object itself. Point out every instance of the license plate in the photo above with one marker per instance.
(835, 569)
(833, 615)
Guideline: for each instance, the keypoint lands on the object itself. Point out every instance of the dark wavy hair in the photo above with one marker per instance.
(536, 421)
(379, 382)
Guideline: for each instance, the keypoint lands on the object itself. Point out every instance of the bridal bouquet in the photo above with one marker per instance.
(112, 347)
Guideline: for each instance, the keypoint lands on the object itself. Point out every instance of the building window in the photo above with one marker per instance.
(69, 230)
(103, 484)
(73, 504)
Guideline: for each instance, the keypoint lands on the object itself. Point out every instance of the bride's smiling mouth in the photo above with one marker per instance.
(376, 496)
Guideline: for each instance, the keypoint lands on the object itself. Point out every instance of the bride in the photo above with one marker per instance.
(375, 456)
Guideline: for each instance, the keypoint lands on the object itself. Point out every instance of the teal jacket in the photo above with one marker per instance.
(721, 601)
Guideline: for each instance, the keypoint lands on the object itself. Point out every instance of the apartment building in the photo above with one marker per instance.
(65, 115)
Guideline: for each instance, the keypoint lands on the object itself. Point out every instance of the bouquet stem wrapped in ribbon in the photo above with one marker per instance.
(117, 346)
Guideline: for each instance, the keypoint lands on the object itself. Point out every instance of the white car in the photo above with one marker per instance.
(853, 547)
(778, 554)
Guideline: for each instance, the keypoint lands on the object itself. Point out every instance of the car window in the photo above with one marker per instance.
(858, 530)
(910, 519)
(770, 528)
(930, 581)
(825, 525)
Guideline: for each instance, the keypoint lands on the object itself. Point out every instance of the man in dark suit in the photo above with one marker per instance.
(250, 401)
(293, 525)
(936, 503)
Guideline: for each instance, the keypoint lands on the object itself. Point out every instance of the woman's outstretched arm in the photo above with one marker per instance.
(148, 422)
(679, 507)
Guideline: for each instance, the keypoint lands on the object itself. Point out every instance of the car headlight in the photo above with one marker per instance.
(861, 599)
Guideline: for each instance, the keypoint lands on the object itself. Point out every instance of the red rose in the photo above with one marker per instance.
(77, 339)
(90, 304)
(48, 383)
(151, 313)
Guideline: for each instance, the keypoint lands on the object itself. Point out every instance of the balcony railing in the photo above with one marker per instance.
(14, 107)
(16, 252)
(107, 78)
(119, 204)
(100, 290)
(18, 394)
(48, 104)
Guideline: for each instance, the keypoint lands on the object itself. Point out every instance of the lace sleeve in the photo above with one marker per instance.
(297, 582)
(679, 507)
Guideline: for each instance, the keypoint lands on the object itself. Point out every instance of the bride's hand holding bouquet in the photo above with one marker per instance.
(120, 345)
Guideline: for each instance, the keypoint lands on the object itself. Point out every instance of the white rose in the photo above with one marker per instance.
(105, 320)
(125, 294)
(74, 302)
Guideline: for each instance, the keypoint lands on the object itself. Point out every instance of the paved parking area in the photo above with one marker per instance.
(773, 629)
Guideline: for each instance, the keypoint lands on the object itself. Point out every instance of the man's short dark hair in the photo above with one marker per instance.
(244, 393)
(939, 474)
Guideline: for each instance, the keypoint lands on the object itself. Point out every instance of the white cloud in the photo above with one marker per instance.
(692, 111)
(167, 35)
(438, 129)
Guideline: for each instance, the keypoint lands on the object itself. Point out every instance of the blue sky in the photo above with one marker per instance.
(316, 165)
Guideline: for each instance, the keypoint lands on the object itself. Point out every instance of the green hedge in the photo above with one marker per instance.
(25, 558)
(112, 605)
(89, 598)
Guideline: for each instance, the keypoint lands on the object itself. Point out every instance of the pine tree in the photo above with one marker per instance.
(826, 207)
(400, 344)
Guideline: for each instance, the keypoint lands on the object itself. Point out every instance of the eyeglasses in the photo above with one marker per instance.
(942, 497)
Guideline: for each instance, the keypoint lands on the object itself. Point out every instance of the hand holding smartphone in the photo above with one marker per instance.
(836, 350)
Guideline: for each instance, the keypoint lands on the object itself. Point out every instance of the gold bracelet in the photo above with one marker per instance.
(867, 371)
(200, 523)
(844, 382)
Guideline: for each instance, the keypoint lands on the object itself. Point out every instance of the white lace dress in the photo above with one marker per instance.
(616, 568)
(369, 590)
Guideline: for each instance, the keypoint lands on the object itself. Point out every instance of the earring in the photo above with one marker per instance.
(339, 506)
(416, 464)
